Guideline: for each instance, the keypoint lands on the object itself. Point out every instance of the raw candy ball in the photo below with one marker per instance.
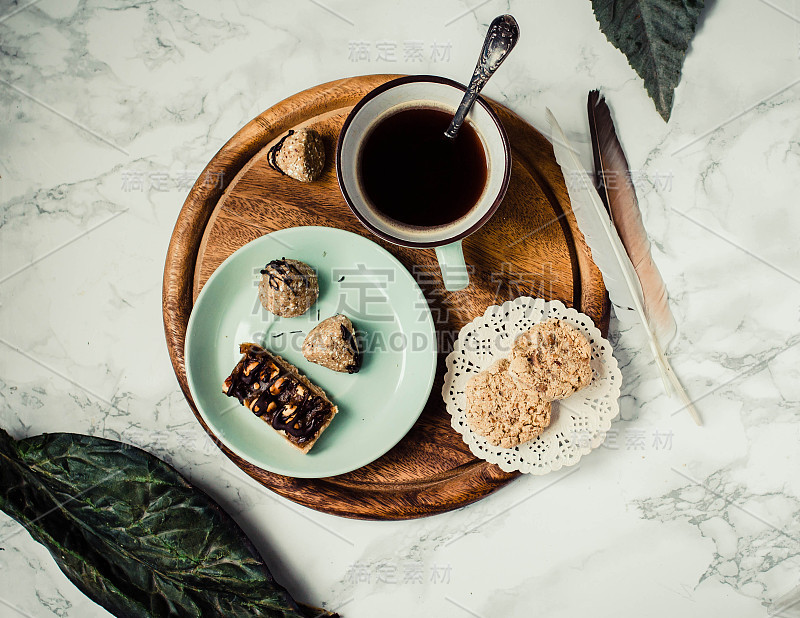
(300, 155)
(288, 287)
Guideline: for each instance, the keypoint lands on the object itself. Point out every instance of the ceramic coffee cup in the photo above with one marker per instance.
(431, 92)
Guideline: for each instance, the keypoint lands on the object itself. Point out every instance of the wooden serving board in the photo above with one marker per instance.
(531, 246)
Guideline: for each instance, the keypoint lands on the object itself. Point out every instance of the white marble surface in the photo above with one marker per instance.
(98, 96)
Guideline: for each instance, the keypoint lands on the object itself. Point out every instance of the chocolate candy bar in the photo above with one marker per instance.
(276, 392)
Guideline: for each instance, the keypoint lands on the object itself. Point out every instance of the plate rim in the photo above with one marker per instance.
(424, 393)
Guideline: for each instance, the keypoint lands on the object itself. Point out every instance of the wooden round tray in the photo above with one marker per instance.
(531, 246)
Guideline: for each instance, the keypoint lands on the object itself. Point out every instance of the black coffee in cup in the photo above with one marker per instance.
(411, 173)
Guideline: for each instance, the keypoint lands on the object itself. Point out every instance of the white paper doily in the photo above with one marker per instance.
(579, 423)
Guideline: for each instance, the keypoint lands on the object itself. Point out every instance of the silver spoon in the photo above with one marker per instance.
(503, 34)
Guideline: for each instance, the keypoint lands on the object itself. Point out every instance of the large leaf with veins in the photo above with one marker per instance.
(132, 533)
(654, 35)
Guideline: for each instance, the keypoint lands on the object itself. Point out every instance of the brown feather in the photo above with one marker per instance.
(613, 181)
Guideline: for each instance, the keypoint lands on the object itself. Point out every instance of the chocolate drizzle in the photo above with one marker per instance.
(352, 344)
(281, 271)
(278, 395)
(272, 153)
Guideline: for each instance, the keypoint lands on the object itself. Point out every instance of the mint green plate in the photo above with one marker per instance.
(377, 405)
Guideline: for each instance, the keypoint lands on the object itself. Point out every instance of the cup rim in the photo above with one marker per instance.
(399, 81)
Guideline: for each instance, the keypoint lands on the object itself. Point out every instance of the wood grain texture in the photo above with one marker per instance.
(531, 246)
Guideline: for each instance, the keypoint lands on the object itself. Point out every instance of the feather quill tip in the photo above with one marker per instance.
(688, 404)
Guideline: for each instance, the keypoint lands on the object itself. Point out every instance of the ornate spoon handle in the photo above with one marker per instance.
(503, 34)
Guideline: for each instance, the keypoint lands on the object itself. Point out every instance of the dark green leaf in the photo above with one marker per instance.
(132, 533)
(654, 35)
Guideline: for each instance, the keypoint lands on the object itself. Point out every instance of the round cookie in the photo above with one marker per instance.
(501, 411)
(552, 358)
(288, 287)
